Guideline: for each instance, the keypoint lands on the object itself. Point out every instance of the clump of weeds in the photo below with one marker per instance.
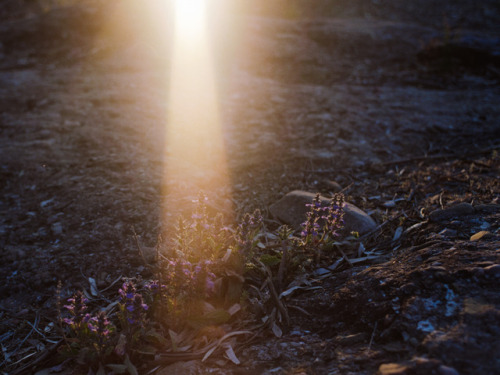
(208, 278)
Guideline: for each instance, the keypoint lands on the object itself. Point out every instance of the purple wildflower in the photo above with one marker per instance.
(127, 292)
(137, 310)
(311, 226)
(154, 287)
(248, 227)
(134, 306)
(335, 215)
(77, 308)
(100, 327)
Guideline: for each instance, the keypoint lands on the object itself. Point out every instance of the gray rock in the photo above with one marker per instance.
(291, 209)
(458, 210)
(487, 208)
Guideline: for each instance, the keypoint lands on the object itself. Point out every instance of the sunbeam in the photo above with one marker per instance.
(196, 158)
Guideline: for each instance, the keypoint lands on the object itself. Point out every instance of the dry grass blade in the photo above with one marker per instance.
(300, 309)
(203, 353)
(112, 284)
(276, 330)
(281, 306)
(343, 254)
(231, 355)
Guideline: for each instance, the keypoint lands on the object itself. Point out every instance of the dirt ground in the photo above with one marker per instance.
(395, 101)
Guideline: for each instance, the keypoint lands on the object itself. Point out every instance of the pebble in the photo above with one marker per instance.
(56, 228)
(458, 210)
(389, 204)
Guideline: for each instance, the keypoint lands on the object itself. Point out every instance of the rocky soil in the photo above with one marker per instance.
(394, 103)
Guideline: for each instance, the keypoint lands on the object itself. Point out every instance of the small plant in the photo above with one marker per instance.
(132, 313)
(196, 286)
(202, 237)
(246, 233)
(90, 338)
(323, 223)
(101, 330)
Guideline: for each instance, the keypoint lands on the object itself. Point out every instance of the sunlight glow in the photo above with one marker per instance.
(196, 158)
(190, 16)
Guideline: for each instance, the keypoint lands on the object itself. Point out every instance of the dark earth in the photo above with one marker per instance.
(395, 101)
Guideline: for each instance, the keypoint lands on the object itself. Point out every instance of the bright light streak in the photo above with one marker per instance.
(190, 17)
(196, 158)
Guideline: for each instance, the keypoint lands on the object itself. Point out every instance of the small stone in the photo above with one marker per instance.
(393, 369)
(56, 228)
(389, 204)
(485, 225)
(480, 235)
(46, 202)
(445, 370)
(291, 209)
(458, 210)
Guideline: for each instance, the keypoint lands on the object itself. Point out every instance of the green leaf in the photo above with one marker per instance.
(154, 337)
(270, 260)
(130, 367)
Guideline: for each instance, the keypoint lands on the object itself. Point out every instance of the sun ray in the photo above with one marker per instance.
(194, 143)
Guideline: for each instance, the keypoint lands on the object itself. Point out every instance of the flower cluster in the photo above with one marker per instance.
(91, 331)
(155, 288)
(311, 226)
(100, 327)
(134, 307)
(201, 236)
(77, 308)
(334, 215)
(184, 278)
(330, 216)
(248, 229)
